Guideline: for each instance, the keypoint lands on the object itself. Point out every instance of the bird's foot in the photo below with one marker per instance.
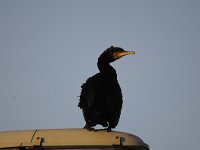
(88, 128)
(109, 129)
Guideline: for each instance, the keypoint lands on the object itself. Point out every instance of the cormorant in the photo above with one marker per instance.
(101, 97)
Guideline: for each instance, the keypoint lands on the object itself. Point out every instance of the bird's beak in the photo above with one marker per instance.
(124, 53)
(129, 53)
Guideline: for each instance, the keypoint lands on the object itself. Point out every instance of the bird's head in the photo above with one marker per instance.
(115, 53)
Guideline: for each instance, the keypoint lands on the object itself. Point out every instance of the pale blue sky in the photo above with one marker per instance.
(49, 48)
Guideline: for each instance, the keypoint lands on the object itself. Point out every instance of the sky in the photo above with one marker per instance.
(48, 48)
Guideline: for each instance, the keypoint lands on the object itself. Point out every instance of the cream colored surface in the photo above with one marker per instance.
(68, 138)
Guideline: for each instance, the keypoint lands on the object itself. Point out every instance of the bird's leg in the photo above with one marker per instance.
(109, 129)
(88, 127)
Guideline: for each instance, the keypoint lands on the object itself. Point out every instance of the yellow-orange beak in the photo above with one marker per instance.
(118, 55)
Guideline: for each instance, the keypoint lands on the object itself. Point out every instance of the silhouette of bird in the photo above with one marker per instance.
(101, 96)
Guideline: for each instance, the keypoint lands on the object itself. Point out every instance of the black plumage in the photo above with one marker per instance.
(101, 96)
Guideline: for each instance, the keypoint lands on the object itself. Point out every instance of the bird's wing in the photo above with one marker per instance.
(89, 90)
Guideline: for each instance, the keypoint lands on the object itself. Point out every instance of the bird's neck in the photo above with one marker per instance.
(105, 67)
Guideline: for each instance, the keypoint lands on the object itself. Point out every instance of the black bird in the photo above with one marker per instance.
(101, 96)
